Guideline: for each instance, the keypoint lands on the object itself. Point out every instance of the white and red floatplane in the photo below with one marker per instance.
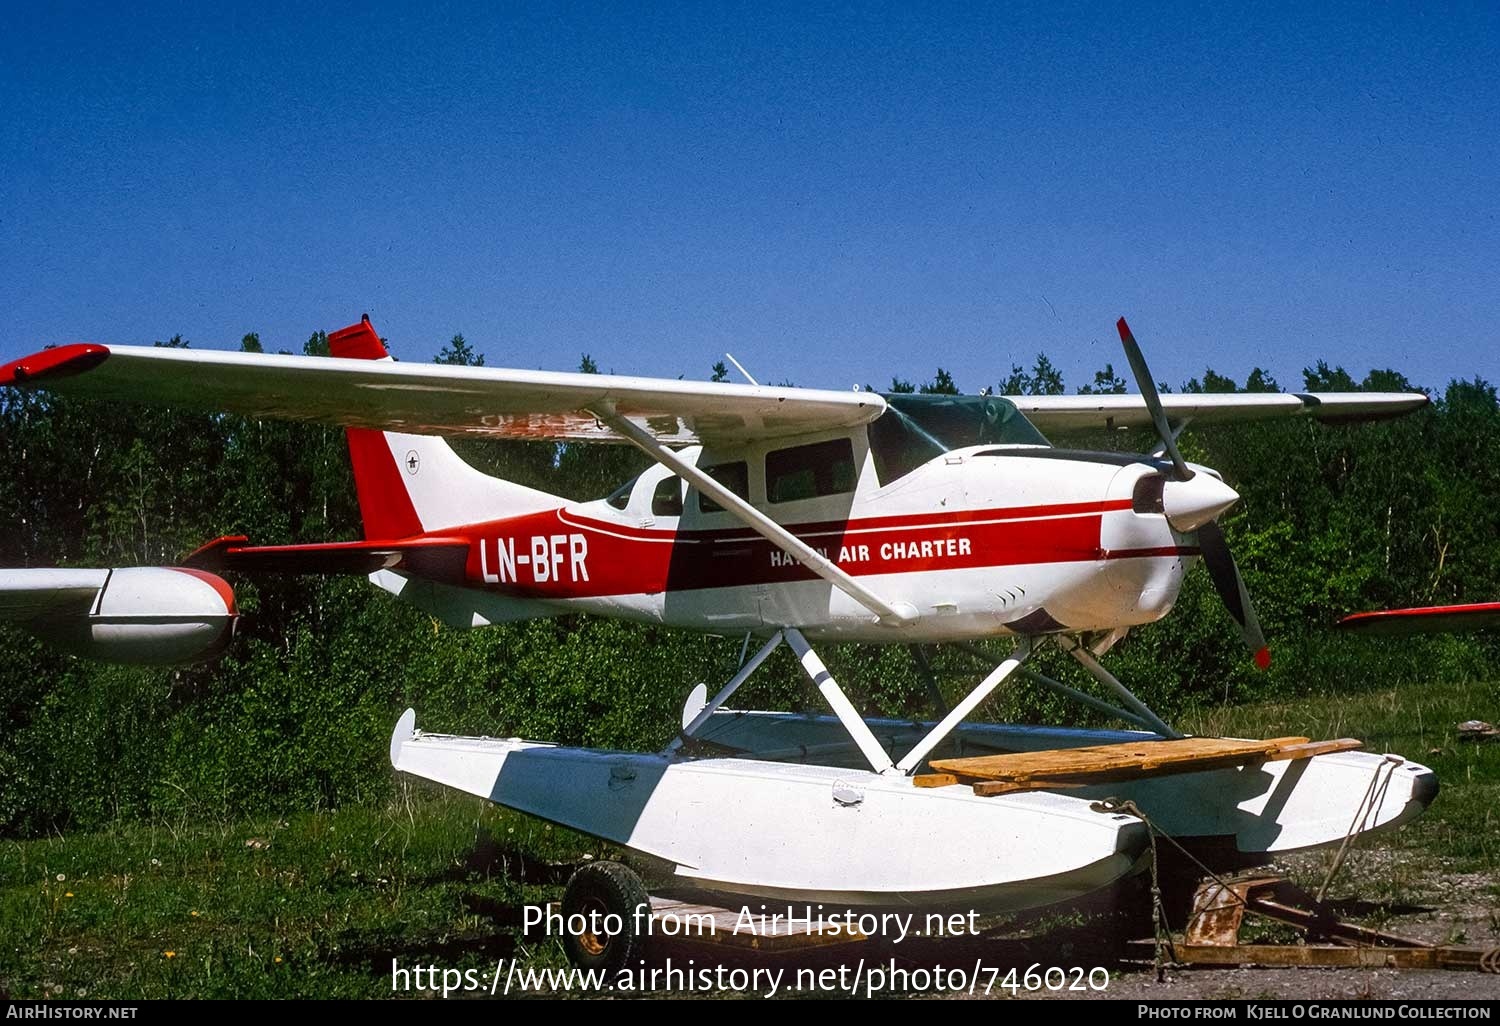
(789, 516)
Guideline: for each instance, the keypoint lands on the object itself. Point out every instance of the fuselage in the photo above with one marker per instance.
(979, 540)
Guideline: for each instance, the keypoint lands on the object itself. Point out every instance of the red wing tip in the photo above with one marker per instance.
(1426, 619)
(1263, 658)
(1417, 612)
(57, 362)
(357, 342)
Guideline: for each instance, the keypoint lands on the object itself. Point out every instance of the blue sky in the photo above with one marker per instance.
(835, 194)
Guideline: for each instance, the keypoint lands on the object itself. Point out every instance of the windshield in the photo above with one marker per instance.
(620, 497)
(915, 428)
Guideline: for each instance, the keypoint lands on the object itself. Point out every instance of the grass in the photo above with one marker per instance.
(311, 904)
(319, 903)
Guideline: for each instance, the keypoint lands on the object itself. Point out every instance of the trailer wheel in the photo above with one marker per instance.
(607, 895)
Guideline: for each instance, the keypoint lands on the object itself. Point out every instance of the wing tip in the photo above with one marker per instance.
(218, 584)
(1357, 407)
(357, 342)
(56, 362)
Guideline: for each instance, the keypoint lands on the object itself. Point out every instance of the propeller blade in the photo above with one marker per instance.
(1231, 587)
(1144, 382)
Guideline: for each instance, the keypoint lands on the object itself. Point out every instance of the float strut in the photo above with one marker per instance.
(858, 729)
(746, 669)
(955, 716)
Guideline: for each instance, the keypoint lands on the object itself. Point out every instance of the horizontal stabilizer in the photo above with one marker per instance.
(435, 559)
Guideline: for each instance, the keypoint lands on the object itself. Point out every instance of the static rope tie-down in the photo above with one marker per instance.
(1361, 814)
(1489, 961)
(1162, 927)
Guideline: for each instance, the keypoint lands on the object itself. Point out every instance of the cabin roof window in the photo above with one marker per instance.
(810, 471)
(916, 428)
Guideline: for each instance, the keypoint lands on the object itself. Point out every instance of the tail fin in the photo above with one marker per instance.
(416, 484)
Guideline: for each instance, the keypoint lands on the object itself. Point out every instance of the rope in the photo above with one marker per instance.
(1130, 808)
(1489, 960)
(1160, 927)
(1159, 915)
(1361, 813)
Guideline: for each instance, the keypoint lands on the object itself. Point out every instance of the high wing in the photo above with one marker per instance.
(1425, 619)
(546, 405)
(30, 594)
(435, 399)
(1062, 413)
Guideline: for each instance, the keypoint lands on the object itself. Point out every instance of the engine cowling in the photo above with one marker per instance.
(157, 616)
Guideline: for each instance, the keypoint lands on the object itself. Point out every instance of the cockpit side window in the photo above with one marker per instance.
(620, 497)
(810, 471)
(666, 501)
(917, 428)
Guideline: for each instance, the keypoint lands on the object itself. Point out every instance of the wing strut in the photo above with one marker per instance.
(891, 615)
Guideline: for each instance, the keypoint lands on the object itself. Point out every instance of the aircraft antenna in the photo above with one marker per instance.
(742, 370)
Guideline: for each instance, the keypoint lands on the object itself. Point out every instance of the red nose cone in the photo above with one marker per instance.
(1263, 658)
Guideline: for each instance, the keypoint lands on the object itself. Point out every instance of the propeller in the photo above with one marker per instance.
(1231, 586)
(1153, 401)
(1193, 502)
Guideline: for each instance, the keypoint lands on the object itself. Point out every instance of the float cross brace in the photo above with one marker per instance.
(712, 706)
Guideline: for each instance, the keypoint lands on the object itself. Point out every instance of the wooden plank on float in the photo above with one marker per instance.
(994, 775)
(1018, 767)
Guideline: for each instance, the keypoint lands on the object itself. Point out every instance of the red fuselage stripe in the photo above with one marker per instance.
(560, 554)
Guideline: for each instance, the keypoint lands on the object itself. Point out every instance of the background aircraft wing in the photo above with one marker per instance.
(1061, 413)
(437, 399)
(29, 594)
(1425, 619)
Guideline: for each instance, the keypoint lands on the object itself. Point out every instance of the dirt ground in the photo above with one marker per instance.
(1349, 984)
(1429, 904)
(1380, 888)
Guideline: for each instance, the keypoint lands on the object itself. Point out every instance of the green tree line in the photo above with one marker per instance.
(1333, 519)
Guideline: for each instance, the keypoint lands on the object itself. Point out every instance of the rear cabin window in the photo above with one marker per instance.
(810, 471)
(666, 501)
(734, 476)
